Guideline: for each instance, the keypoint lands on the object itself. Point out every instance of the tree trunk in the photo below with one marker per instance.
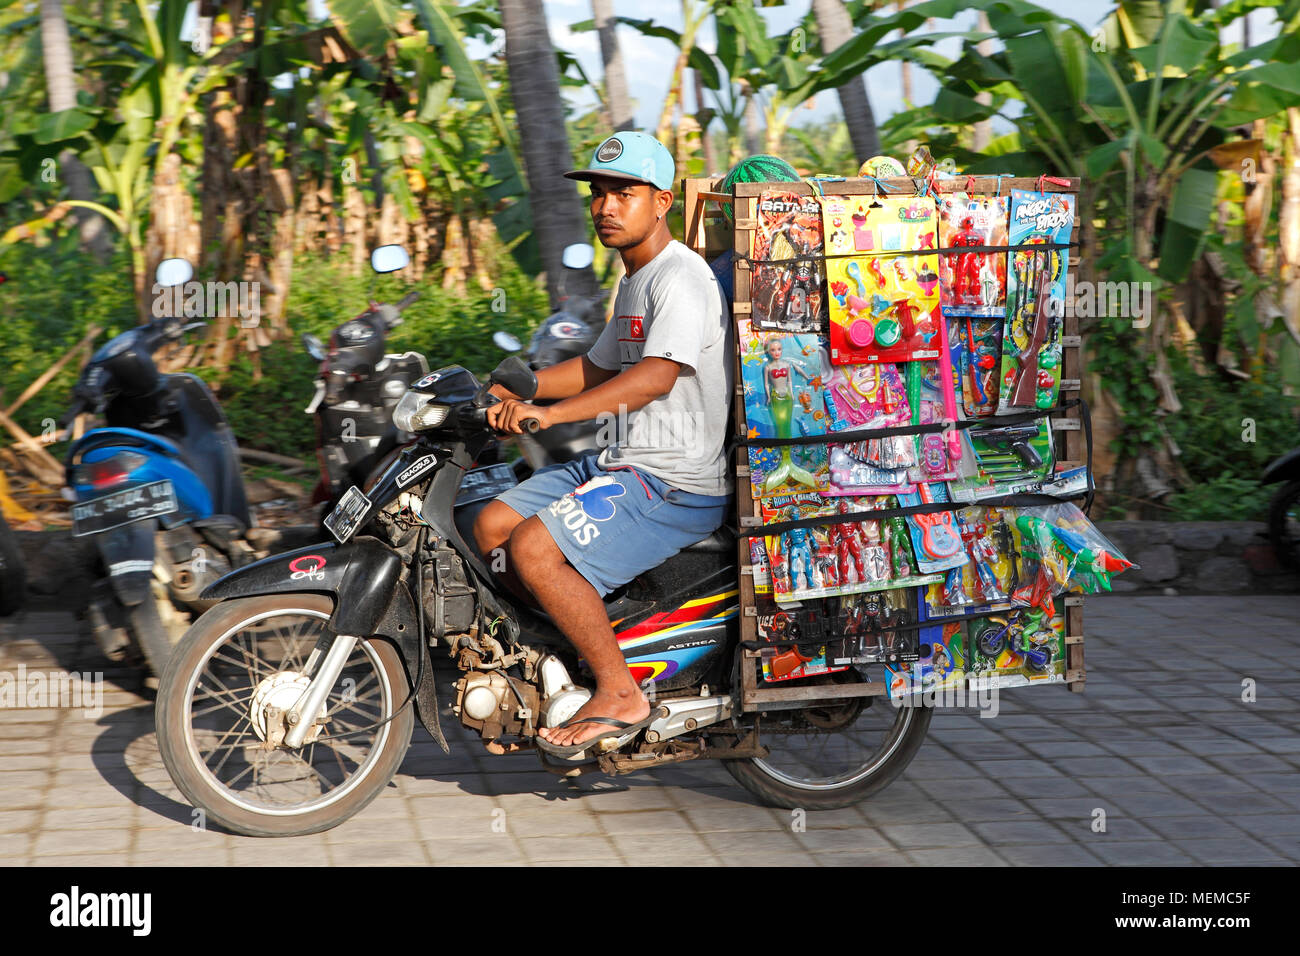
(983, 132)
(535, 89)
(703, 117)
(835, 27)
(617, 104)
(1288, 223)
(61, 87)
(753, 121)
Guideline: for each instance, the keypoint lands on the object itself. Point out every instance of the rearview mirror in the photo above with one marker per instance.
(389, 259)
(173, 272)
(506, 342)
(315, 348)
(578, 256)
(515, 375)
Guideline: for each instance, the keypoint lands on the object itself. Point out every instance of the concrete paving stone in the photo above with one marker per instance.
(1285, 844)
(730, 798)
(1273, 782)
(716, 819)
(469, 784)
(218, 856)
(1002, 770)
(816, 840)
(1132, 749)
(26, 745)
(1057, 749)
(361, 829)
(24, 780)
(940, 768)
(1143, 853)
(1170, 766)
(1221, 785)
(496, 849)
(553, 823)
(1039, 787)
(1001, 750)
(1281, 745)
(1218, 745)
(1250, 763)
(183, 838)
(961, 789)
(916, 835)
(56, 842)
(1005, 832)
(1204, 826)
(1145, 805)
(75, 798)
(1069, 810)
(648, 822)
(1095, 766)
(669, 848)
(87, 818)
(14, 847)
(257, 852)
(81, 860)
(569, 849)
(446, 810)
(1266, 824)
(29, 763)
(856, 859)
(618, 799)
(1002, 809)
(1232, 852)
(475, 826)
(1049, 854)
(1250, 804)
(1113, 786)
(957, 856)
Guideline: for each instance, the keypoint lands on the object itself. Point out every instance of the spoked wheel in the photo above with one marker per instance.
(221, 720)
(1284, 525)
(833, 755)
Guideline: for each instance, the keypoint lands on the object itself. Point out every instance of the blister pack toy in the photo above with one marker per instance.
(786, 290)
(1025, 645)
(981, 358)
(941, 661)
(785, 397)
(870, 395)
(972, 283)
(935, 461)
(1036, 287)
(1011, 459)
(787, 661)
(936, 543)
(884, 307)
(989, 575)
(866, 625)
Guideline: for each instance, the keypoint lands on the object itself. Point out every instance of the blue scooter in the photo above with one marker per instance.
(159, 488)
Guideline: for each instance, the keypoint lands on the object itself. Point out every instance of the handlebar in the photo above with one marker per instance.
(407, 299)
(531, 425)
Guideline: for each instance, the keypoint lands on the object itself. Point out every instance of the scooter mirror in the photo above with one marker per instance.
(313, 346)
(506, 342)
(389, 259)
(172, 272)
(578, 256)
(516, 376)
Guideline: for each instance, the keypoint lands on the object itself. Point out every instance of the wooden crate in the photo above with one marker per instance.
(706, 232)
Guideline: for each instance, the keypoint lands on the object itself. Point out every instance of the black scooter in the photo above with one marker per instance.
(358, 387)
(285, 709)
(1284, 510)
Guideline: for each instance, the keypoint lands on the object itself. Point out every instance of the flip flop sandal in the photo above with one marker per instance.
(626, 733)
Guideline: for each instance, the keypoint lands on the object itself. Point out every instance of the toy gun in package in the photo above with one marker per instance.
(1071, 555)
(1013, 438)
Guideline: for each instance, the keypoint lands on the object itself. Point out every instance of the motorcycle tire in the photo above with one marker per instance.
(777, 789)
(1284, 525)
(247, 811)
(145, 625)
(13, 572)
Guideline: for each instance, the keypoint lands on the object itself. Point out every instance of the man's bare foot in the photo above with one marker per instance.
(630, 706)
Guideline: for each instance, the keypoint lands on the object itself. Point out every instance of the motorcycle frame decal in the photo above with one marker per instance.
(691, 616)
(409, 476)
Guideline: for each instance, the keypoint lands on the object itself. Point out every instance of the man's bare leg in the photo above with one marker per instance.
(578, 611)
(492, 529)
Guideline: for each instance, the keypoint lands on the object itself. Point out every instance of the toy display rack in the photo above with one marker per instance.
(708, 232)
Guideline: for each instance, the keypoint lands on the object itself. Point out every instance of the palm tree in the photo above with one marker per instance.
(535, 87)
(835, 27)
(617, 103)
(62, 90)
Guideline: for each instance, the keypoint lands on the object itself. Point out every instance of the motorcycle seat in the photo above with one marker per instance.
(722, 541)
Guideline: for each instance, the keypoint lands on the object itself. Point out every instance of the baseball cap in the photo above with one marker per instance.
(633, 156)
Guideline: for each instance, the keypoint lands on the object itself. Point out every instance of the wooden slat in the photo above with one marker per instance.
(754, 699)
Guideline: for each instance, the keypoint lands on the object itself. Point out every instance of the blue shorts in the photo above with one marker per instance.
(612, 525)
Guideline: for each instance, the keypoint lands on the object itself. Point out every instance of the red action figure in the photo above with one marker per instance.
(845, 538)
(966, 273)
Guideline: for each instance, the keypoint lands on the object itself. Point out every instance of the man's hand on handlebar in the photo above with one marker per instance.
(510, 415)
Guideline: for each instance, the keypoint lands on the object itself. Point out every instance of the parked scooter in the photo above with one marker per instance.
(159, 489)
(570, 331)
(1284, 510)
(358, 387)
(285, 709)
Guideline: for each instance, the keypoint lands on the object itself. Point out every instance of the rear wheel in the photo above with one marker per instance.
(220, 716)
(1284, 525)
(834, 755)
(13, 571)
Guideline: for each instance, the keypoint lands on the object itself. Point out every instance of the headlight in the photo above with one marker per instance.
(417, 412)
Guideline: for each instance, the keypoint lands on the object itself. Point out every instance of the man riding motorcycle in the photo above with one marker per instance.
(663, 367)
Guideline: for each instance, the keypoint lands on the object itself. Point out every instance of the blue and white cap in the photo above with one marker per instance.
(633, 156)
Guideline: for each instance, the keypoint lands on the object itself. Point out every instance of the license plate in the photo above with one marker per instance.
(123, 507)
(347, 515)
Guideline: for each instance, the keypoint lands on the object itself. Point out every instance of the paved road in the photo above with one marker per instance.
(1185, 771)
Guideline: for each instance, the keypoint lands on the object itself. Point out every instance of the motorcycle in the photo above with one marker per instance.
(13, 572)
(357, 388)
(568, 332)
(286, 708)
(1284, 509)
(159, 489)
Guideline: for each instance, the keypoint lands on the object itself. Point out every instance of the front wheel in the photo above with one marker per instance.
(220, 717)
(1284, 525)
(824, 758)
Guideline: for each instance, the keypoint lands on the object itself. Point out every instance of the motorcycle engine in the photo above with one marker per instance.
(450, 601)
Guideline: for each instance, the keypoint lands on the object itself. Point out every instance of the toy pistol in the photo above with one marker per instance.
(1012, 438)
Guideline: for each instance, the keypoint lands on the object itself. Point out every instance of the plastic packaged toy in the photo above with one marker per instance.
(1023, 646)
(785, 397)
(972, 283)
(936, 542)
(786, 291)
(865, 624)
(883, 307)
(942, 656)
(1011, 459)
(1036, 286)
(790, 661)
(1068, 554)
(870, 396)
(935, 458)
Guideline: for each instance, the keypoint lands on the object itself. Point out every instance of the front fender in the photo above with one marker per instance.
(1285, 468)
(363, 576)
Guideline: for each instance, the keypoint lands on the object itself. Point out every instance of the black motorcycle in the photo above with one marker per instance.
(13, 572)
(358, 387)
(285, 709)
(1284, 510)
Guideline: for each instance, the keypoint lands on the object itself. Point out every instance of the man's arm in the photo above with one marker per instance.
(630, 390)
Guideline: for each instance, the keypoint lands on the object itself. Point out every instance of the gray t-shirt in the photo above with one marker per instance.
(672, 308)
